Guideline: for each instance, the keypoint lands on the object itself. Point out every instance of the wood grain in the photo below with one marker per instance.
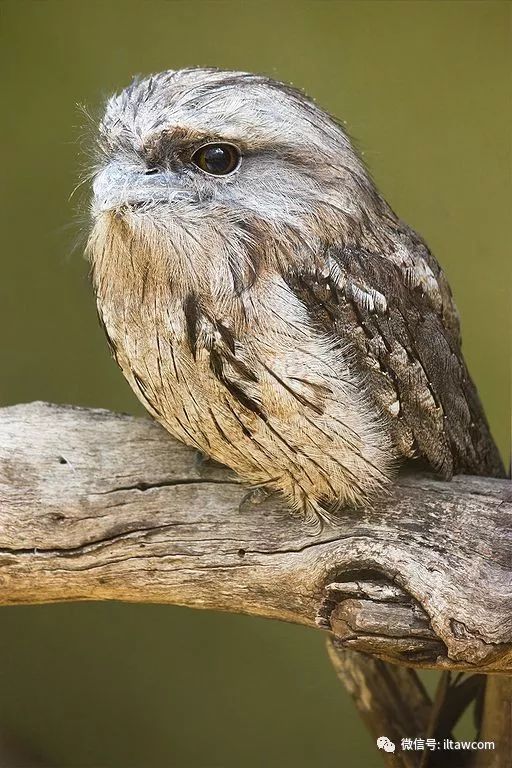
(102, 506)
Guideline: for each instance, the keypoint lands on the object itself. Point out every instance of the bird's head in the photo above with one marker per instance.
(208, 169)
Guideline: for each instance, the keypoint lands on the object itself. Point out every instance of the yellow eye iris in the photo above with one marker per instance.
(217, 159)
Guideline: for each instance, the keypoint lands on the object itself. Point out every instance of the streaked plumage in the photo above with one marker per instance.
(281, 319)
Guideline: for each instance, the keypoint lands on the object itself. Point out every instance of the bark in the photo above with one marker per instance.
(102, 506)
(98, 506)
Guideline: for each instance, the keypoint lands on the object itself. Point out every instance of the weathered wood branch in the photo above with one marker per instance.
(390, 699)
(97, 506)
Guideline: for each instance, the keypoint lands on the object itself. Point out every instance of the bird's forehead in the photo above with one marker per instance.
(230, 104)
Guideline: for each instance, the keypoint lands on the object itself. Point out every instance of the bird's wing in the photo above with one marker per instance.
(396, 312)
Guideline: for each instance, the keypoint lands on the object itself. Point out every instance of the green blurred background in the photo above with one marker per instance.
(423, 87)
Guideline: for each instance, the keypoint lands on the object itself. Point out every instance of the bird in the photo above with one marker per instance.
(263, 300)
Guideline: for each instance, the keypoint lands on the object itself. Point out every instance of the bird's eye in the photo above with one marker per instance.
(217, 159)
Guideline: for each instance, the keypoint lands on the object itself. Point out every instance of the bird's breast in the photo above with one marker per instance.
(260, 391)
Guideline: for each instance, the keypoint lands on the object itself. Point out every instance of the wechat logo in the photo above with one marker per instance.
(386, 744)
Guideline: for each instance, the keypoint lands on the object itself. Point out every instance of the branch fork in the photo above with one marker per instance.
(102, 506)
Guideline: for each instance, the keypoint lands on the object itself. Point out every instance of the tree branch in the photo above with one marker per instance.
(97, 506)
(390, 699)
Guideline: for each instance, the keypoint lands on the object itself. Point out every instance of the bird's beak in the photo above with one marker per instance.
(117, 186)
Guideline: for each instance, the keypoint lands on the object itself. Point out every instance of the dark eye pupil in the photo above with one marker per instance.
(217, 159)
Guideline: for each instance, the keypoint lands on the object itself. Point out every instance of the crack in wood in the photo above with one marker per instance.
(424, 578)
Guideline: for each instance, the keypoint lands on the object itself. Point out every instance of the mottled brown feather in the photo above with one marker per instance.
(411, 351)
